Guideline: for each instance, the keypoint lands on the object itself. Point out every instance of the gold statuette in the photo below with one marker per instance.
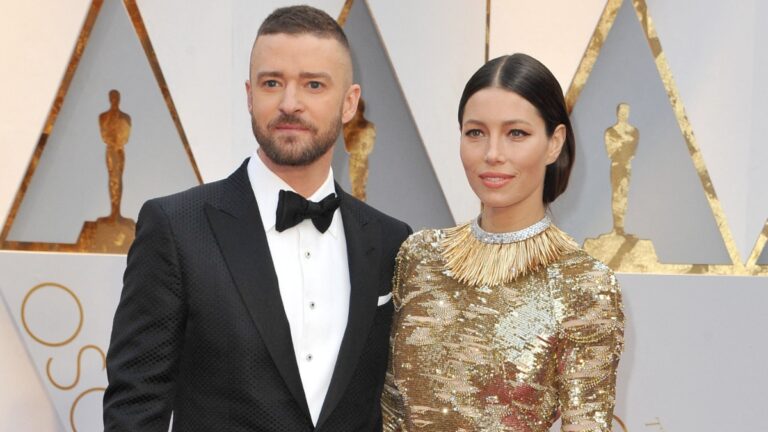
(113, 233)
(359, 139)
(617, 247)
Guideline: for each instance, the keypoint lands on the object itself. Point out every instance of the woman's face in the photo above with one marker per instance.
(505, 150)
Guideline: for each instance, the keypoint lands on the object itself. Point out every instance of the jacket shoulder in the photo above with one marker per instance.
(190, 200)
(388, 223)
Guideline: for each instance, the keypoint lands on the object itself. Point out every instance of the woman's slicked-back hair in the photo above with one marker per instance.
(526, 76)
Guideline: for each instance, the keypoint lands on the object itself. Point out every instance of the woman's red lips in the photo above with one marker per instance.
(495, 180)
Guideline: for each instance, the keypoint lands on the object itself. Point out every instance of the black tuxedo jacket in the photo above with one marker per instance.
(200, 329)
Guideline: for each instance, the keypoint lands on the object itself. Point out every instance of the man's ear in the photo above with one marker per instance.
(349, 107)
(555, 144)
(249, 96)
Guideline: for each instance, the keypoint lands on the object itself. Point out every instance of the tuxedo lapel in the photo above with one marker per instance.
(362, 236)
(241, 238)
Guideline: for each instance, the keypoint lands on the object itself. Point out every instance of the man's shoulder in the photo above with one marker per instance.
(189, 205)
(192, 197)
(216, 193)
(387, 222)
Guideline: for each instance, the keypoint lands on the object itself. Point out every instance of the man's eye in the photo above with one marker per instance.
(315, 85)
(271, 83)
(474, 133)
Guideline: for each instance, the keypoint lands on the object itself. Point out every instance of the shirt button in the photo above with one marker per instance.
(309, 357)
(311, 305)
(307, 254)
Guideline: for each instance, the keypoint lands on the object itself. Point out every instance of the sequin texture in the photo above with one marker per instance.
(511, 357)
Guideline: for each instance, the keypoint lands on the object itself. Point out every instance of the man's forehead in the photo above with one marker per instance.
(286, 43)
(303, 52)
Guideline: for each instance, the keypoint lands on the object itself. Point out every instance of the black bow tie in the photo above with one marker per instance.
(293, 208)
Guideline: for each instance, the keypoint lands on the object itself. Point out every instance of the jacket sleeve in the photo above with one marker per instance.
(147, 331)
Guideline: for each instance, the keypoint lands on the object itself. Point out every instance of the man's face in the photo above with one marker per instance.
(299, 95)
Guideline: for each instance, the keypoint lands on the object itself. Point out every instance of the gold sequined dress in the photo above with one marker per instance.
(508, 357)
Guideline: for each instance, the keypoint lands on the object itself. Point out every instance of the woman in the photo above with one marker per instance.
(504, 323)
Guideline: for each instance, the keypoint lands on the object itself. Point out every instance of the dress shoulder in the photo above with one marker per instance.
(590, 296)
(421, 240)
(419, 247)
(581, 271)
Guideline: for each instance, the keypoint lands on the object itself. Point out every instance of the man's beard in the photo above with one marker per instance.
(292, 150)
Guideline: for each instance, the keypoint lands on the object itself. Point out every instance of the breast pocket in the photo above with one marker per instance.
(384, 313)
(384, 299)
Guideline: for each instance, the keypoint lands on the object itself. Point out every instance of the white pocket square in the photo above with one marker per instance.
(384, 299)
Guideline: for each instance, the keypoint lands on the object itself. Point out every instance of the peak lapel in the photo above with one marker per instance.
(241, 238)
(362, 237)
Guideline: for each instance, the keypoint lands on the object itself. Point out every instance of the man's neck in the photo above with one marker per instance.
(305, 180)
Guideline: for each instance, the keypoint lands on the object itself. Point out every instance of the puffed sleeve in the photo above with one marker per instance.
(592, 342)
(392, 404)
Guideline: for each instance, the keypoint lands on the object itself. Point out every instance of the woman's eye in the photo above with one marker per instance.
(518, 133)
(474, 133)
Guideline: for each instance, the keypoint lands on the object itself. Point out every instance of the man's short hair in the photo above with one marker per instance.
(297, 20)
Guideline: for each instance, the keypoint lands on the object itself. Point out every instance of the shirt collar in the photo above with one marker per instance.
(266, 187)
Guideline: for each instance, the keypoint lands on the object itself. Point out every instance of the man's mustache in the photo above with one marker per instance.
(288, 119)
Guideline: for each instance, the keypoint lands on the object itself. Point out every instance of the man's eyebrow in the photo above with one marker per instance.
(269, 74)
(316, 75)
(302, 75)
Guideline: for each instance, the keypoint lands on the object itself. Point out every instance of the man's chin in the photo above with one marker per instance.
(294, 150)
(292, 142)
(291, 158)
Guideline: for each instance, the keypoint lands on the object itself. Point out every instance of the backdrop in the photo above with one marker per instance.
(691, 255)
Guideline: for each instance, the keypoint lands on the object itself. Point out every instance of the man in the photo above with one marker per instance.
(237, 314)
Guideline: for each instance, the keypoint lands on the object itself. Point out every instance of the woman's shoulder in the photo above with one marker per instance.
(578, 270)
(421, 243)
(419, 254)
(587, 287)
(420, 247)
(591, 309)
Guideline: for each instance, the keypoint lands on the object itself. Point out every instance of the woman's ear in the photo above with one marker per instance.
(555, 144)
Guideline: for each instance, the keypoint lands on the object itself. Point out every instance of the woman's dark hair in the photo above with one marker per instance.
(526, 76)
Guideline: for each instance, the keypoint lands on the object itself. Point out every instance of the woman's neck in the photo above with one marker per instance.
(508, 219)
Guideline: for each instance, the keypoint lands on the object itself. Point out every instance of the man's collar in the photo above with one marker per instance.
(266, 187)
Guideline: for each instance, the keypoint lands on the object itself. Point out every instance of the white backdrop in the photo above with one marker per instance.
(716, 50)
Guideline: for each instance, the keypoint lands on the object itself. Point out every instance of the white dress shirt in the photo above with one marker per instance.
(313, 275)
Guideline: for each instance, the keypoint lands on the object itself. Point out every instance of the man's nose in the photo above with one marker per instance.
(290, 102)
